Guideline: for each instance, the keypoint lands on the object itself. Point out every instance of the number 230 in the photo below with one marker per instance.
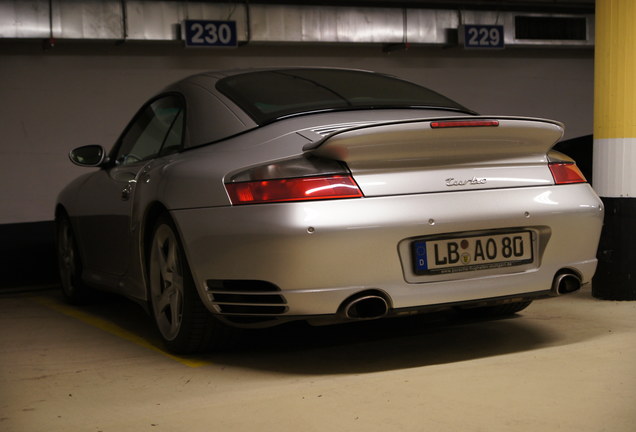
(211, 33)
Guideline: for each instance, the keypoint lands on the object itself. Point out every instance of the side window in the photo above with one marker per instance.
(172, 143)
(156, 130)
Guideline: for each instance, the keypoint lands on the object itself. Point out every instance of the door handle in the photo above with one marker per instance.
(127, 191)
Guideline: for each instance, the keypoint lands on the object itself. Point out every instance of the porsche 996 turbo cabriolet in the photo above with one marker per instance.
(251, 198)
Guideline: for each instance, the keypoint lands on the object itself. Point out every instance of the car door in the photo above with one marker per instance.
(106, 227)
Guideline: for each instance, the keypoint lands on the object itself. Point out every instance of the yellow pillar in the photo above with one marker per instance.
(615, 146)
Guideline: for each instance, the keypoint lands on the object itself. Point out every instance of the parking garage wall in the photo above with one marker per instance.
(84, 93)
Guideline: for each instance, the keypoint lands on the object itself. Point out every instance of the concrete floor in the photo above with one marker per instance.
(565, 364)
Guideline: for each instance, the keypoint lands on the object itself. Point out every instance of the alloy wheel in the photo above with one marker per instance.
(166, 282)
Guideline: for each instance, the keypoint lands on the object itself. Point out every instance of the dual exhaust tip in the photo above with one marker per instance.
(370, 305)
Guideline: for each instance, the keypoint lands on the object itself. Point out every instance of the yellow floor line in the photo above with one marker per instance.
(114, 329)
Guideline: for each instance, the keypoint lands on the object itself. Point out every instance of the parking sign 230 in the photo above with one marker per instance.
(205, 33)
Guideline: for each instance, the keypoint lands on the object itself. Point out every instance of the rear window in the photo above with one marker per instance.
(270, 95)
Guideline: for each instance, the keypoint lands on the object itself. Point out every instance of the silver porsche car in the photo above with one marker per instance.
(251, 198)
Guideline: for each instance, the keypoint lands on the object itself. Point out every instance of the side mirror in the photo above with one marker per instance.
(88, 156)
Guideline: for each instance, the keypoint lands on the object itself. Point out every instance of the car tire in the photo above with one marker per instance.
(69, 264)
(495, 311)
(184, 323)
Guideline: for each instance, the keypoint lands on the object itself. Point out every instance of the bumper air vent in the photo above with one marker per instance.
(246, 297)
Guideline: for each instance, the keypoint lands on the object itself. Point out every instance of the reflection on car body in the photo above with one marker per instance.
(251, 198)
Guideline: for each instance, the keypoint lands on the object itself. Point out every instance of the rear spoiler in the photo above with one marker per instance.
(439, 141)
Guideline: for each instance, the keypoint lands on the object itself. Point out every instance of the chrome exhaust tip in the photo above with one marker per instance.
(565, 283)
(366, 308)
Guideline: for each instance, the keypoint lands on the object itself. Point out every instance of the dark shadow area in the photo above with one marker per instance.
(362, 347)
(373, 346)
(124, 313)
(27, 252)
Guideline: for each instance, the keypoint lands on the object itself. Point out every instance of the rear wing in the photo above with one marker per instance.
(440, 141)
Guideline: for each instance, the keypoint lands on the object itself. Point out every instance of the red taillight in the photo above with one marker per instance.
(294, 189)
(566, 172)
(463, 123)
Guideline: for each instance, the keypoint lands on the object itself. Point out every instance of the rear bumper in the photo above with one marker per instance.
(314, 255)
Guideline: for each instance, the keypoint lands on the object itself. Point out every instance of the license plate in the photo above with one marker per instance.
(471, 253)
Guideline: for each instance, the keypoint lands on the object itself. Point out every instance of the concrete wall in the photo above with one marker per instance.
(84, 93)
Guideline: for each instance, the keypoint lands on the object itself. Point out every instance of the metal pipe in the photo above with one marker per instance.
(124, 20)
(366, 307)
(565, 283)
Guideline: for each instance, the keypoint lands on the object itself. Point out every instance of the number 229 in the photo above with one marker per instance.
(484, 36)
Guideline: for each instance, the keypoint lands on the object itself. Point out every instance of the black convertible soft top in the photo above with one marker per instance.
(270, 95)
